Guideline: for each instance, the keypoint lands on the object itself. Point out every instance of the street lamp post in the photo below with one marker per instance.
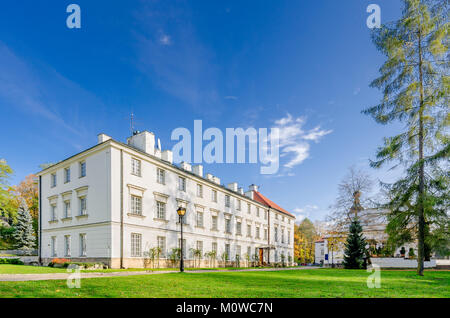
(181, 212)
(332, 256)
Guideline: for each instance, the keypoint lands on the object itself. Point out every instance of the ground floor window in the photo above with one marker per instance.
(67, 245)
(162, 245)
(53, 246)
(136, 244)
(82, 244)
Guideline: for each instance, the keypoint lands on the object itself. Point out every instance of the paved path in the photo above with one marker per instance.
(63, 276)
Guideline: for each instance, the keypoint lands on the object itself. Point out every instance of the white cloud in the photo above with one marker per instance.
(304, 212)
(294, 141)
(165, 39)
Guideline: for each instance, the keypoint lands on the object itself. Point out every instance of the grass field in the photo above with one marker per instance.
(294, 283)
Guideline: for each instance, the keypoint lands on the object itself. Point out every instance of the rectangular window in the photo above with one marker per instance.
(200, 219)
(182, 184)
(53, 180)
(227, 200)
(136, 244)
(160, 210)
(257, 232)
(282, 236)
(82, 169)
(238, 251)
(249, 208)
(200, 247)
(227, 250)
(160, 176)
(249, 252)
(276, 234)
(67, 212)
(66, 175)
(214, 222)
(249, 230)
(276, 216)
(83, 206)
(282, 219)
(266, 213)
(257, 212)
(136, 205)
(83, 244)
(53, 216)
(136, 167)
(238, 228)
(289, 237)
(214, 195)
(67, 245)
(227, 225)
(265, 234)
(238, 205)
(53, 246)
(199, 190)
(214, 247)
(161, 240)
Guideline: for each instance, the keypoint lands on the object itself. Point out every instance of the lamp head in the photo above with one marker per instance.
(181, 211)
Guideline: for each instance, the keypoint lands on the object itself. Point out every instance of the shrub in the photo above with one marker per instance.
(12, 261)
(61, 262)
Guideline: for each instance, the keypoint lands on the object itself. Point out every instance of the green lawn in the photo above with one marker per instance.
(296, 283)
(24, 269)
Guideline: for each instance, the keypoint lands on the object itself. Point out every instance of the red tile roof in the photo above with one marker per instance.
(260, 198)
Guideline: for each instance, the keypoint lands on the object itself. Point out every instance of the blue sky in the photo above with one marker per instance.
(303, 66)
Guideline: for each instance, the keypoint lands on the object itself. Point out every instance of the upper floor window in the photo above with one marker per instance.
(82, 169)
(289, 237)
(214, 222)
(249, 208)
(282, 236)
(160, 176)
(265, 234)
(182, 184)
(53, 212)
(227, 200)
(257, 232)
(136, 205)
(83, 204)
(53, 180)
(199, 190)
(238, 228)
(249, 230)
(227, 225)
(214, 195)
(66, 175)
(266, 213)
(276, 216)
(67, 212)
(257, 212)
(135, 167)
(238, 207)
(160, 210)
(200, 219)
(276, 234)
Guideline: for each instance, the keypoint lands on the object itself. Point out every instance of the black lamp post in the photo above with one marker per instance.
(332, 258)
(181, 212)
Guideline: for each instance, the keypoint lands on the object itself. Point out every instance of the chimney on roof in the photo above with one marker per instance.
(216, 180)
(210, 177)
(249, 194)
(241, 191)
(253, 187)
(144, 141)
(102, 138)
(233, 186)
(167, 155)
(186, 166)
(198, 170)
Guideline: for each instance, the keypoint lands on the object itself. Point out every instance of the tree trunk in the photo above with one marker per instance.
(421, 214)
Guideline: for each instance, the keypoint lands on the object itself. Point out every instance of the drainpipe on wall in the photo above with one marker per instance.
(121, 208)
(40, 221)
(268, 237)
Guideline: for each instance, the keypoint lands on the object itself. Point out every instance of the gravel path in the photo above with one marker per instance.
(63, 276)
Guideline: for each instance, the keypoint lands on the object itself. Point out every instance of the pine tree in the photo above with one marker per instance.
(23, 233)
(415, 85)
(355, 247)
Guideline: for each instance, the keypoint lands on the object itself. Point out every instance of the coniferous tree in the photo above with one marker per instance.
(355, 247)
(415, 85)
(23, 233)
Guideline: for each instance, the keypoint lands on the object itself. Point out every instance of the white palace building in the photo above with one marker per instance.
(114, 202)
